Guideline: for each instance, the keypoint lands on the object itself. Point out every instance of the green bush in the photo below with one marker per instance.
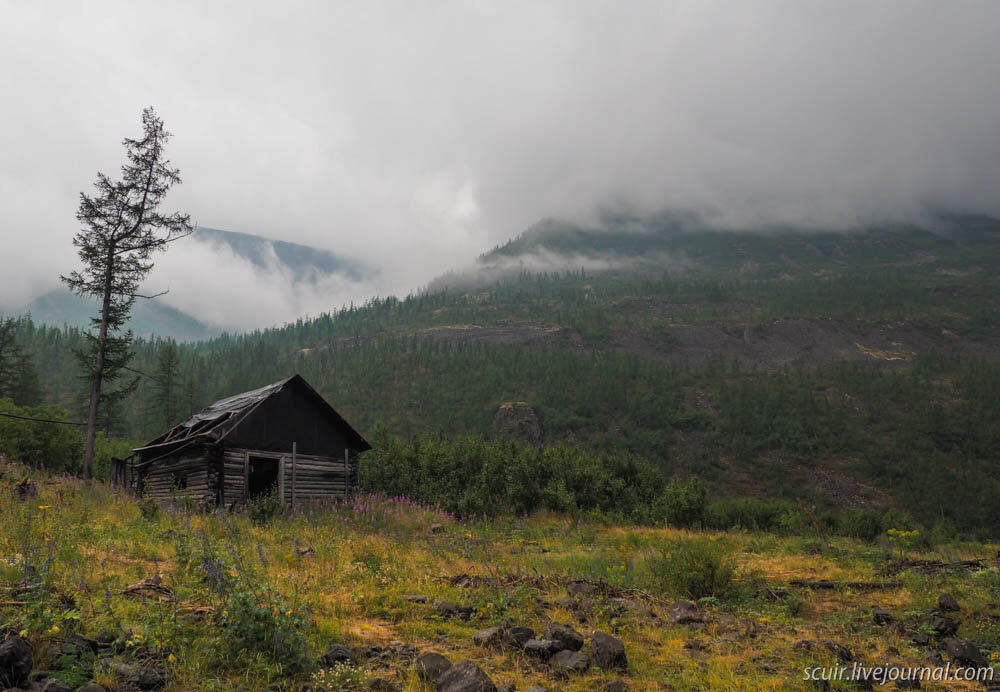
(41, 445)
(264, 508)
(693, 567)
(683, 504)
(751, 514)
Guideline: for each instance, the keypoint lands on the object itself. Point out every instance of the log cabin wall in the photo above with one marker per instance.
(316, 477)
(186, 473)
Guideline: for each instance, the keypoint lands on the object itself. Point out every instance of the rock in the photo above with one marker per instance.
(567, 661)
(143, 677)
(947, 603)
(55, 685)
(491, 636)
(581, 588)
(431, 665)
(92, 687)
(565, 637)
(566, 602)
(843, 653)
(76, 645)
(541, 648)
(437, 528)
(964, 652)
(518, 420)
(465, 677)
(416, 598)
(630, 605)
(15, 662)
(944, 626)
(921, 639)
(616, 686)
(685, 613)
(507, 687)
(337, 653)
(608, 651)
(908, 684)
(517, 637)
(533, 689)
(382, 685)
(881, 616)
(451, 610)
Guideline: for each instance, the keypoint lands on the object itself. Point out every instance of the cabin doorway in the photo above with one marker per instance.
(262, 476)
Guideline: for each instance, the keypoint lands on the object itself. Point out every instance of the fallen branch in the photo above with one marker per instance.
(827, 584)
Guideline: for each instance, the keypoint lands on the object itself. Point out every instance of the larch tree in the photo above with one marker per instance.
(122, 228)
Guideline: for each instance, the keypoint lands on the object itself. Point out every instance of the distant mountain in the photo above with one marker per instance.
(149, 317)
(305, 263)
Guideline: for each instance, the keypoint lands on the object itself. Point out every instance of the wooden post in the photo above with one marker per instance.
(294, 451)
(347, 472)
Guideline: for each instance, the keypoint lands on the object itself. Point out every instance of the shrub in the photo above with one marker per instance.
(264, 508)
(750, 513)
(693, 567)
(683, 504)
(865, 524)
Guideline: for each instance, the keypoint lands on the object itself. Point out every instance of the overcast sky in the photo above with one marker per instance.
(415, 135)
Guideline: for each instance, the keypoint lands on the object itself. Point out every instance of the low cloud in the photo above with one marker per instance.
(415, 137)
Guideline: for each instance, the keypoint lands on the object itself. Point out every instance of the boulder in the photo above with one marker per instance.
(540, 648)
(881, 616)
(465, 677)
(15, 662)
(685, 613)
(947, 603)
(581, 588)
(565, 637)
(567, 661)
(517, 637)
(944, 626)
(337, 653)
(489, 637)
(452, 610)
(56, 685)
(608, 651)
(431, 665)
(143, 677)
(965, 653)
(630, 605)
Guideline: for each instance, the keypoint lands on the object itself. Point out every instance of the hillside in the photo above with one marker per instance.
(847, 369)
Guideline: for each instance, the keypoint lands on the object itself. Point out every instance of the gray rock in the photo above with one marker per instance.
(452, 610)
(518, 636)
(944, 626)
(15, 662)
(630, 605)
(541, 648)
(465, 677)
(437, 528)
(76, 645)
(565, 637)
(55, 685)
(685, 613)
(947, 603)
(143, 677)
(608, 651)
(567, 661)
(431, 665)
(416, 598)
(382, 685)
(92, 687)
(616, 686)
(337, 653)
(965, 653)
(489, 637)
(506, 687)
(581, 588)
(921, 639)
(881, 616)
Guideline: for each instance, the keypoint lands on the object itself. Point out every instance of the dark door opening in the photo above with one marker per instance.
(263, 477)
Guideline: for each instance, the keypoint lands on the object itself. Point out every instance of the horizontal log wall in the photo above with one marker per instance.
(193, 465)
(317, 478)
(234, 475)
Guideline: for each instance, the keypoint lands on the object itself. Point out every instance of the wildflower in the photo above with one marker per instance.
(171, 659)
(23, 634)
(44, 506)
(55, 629)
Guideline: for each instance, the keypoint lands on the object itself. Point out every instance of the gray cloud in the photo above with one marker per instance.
(416, 135)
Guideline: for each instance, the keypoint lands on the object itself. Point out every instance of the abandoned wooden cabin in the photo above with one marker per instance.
(283, 437)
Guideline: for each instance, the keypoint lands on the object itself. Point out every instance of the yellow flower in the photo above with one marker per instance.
(23, 634)
(44, 506)
(171, 659)
(55, 629)
(129, 643)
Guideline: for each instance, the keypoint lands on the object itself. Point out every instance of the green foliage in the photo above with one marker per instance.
(694, 568)
(475, 476)
(683, 504)
(264, 508)
(865, 524)
(751, 514)
(42, 445)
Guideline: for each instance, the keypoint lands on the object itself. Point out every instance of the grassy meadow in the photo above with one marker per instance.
(236, 604)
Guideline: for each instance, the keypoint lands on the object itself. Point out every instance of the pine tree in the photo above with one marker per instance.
(167, 384)
(122, 229)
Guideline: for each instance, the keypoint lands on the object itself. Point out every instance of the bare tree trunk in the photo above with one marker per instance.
(96, 383)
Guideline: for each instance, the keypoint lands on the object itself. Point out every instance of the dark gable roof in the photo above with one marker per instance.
(213, 423)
